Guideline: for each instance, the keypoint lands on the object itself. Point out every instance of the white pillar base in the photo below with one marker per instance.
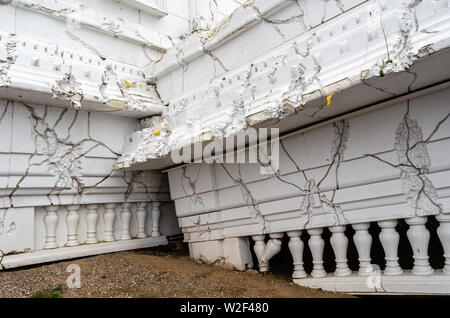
(234, 251)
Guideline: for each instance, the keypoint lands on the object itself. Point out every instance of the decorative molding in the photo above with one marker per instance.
(86, 17)
(52, 75)
(320, 72)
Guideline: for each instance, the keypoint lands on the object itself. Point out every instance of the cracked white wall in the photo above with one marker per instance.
(58, 156)
(391, 162)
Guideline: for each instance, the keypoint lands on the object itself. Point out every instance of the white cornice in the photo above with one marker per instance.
(42, 73)
(333, 68)
(98, 21)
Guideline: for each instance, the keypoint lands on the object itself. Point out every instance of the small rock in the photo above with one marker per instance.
(252, 271)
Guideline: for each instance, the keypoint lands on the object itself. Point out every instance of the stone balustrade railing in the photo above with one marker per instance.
(109, 227)
(422, 278)
(109, 217)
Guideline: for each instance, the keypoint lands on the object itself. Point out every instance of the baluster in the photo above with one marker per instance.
(156, 212)
(443, 232)
(141, 214)
(273, 246)
(419, 237)
(108, 218)
(363, 242)
(316, 245)
(259, 247)
(296, 248)
(389, 240)
(339, 243)
(125, 216)
(91, 220)
(50, 221)
(72, 220)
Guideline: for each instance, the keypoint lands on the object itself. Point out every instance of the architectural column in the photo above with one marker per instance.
(108, 218)
(141, 214)
(363, 242)
(296, 248)
(339, 243)
(259, 247)
(389, 240)
(125, 217)
(50, 222)
(273, 246)
(156, 212)
(316, 245)
(419, 237)
(72, 220)
(91, 220)
(443, 232)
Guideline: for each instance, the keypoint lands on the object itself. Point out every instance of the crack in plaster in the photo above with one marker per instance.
(312, 196)
(194, 196)
(63, 156)
(415, 163)
(47, 10)
(249, 199)
(2, 220)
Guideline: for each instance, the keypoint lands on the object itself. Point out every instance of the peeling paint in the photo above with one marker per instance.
(8, 61)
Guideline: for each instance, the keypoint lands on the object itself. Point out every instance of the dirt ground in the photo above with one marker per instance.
(155, 272)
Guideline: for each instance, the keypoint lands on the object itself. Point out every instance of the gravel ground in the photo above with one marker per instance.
(156, 272)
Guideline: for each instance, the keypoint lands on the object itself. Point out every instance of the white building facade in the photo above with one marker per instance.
(358, 90)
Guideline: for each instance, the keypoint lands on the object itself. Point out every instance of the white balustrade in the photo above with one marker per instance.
(92, 217)
(339, 243)
(72, 221)
(419, 237)
(91, 221)
(259, 247)
(108, 218)
(50, 221)
(156, 212)
(363, 242)
(125, 216)
(443, 232)
(316, 245)
(296, 247)
(389, 240)
(141, 214)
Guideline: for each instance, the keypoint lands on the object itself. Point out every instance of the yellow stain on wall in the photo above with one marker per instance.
(329, 96)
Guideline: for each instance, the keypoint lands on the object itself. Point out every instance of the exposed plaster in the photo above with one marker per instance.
(401, 54)
(68, 89)
(2, 220)
(414, 163)
(8, 61)
(314, 202)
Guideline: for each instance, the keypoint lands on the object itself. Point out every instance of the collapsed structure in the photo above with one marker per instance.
(359, 91)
